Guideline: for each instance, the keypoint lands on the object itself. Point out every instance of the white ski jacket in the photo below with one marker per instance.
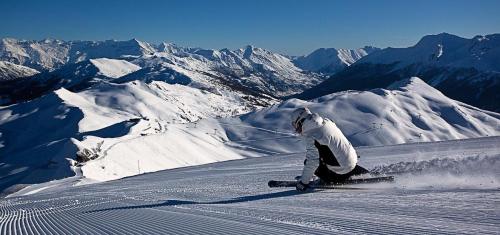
(325, 132)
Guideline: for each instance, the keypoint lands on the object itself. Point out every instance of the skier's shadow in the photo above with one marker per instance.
(182, 202)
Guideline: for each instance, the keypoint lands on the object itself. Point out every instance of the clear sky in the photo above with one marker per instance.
(285, 26)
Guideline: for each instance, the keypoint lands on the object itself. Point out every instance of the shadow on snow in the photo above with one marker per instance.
(182, 202)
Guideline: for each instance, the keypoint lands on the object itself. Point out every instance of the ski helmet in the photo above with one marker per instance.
(298, 117)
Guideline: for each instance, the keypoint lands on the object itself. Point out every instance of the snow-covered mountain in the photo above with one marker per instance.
(331, 60)
(110, 129)
(10, 71)
(77, 76)
(49, 54)
(467, 70)
(41, 55)
(249, 70)
(445, 50)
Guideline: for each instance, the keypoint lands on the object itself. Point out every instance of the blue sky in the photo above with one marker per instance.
(290, 27)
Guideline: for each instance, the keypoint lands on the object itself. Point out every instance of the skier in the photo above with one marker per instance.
(335, 160)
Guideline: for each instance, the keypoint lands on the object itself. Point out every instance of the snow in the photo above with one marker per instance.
(54, 128)
(233, 197)
(444, 50)
(80, 75)
(79, 159)
(10, 71)
(136, 127)
(440, 51)
(195, 147)
(456, 66)
(249, 68)
(114, 68)
(41, 55)
(331, 60)
(49, 55)
(409, 111)
(368, 125)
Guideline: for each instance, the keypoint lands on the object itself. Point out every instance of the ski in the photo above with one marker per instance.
(290, 183)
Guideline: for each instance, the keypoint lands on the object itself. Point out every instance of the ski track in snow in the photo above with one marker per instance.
(233, 198)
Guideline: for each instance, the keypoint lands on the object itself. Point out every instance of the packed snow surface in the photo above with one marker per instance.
(233, 197)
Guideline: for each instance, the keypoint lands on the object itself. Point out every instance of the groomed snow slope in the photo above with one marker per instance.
(233, 198)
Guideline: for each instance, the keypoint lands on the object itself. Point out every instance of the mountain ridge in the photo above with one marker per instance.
(332, 60)
(467, 70)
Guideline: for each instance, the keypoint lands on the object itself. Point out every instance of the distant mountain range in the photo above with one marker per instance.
(331, 60)
(50, 54)
(251, 69)
(467, 70)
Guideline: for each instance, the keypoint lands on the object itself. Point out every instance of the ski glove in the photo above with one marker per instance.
(301, 187)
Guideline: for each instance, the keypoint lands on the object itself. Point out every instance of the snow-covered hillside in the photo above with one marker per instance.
(331, 60)
(408, 111)
(38, 137)
(10, 71)
(456, 66)
(411, 112)
(119, 130)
